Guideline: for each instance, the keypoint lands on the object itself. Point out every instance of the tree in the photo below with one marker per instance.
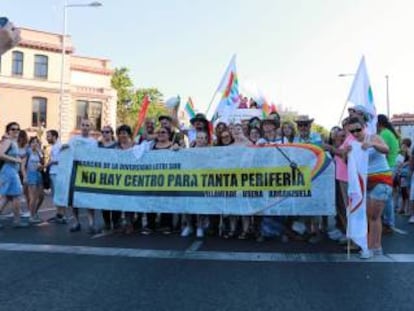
(130, 99)
(321, 130)
(123, 85)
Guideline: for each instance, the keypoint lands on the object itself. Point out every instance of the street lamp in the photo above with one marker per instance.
(93, 4)
(342, 75)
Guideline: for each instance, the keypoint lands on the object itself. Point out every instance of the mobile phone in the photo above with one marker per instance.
(3, 21)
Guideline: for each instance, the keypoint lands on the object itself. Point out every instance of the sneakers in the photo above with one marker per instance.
(200, 233)
(315, 239)
(35, 220)
(61, 220)
(92, 230)
(365, 254)
(342, 240)
(299, 227)
(187, 231)
(25, 214)
(335, 234)
(75, 228)
(411, 219)
(377, 251)
(146, 231)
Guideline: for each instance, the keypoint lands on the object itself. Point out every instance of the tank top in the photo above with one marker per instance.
(379, 171)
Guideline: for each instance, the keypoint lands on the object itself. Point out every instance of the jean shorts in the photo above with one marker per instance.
(34, 178)
(381, 192)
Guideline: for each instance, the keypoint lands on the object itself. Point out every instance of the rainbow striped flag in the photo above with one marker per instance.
(189, 108)
(266, 110)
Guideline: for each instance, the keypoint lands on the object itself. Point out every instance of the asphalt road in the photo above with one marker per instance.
(48, 268)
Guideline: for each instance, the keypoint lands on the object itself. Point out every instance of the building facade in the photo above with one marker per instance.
(30, 86)
(404, 124)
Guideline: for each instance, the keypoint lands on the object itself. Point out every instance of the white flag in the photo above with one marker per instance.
(357, 228)
(361, 95)
(229, 90)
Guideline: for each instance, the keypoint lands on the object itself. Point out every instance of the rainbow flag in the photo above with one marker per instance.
(229, 88)
(266, 110)
(142, 114)
(189, 108)
(273, 108)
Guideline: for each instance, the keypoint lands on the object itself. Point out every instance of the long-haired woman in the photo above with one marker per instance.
(10, 185)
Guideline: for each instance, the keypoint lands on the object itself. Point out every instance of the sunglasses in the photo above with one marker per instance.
(303, 124)
(162, 132)
(14, 129)
(106, 132)
(357, 130)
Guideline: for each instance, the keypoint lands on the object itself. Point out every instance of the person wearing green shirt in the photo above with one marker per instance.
(387, 132)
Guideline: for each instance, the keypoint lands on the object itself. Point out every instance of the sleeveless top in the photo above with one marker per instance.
(379, 171)
(34, 159)
(13, 151)
(158, 148)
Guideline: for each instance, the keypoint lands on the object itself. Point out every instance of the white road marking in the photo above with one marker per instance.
(202, 255)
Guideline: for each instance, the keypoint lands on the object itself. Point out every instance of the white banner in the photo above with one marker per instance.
(274, 180)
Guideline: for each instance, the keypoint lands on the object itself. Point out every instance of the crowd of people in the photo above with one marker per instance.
(26, 168)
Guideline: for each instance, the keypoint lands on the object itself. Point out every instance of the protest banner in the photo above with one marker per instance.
(211, 180)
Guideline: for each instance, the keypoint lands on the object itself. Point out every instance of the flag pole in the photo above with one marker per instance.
(348, 227)
(342, 113)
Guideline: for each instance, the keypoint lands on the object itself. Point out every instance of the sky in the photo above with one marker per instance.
(292, 50)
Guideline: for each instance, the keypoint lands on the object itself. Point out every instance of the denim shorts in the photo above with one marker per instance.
(34, 178)
(381, 192)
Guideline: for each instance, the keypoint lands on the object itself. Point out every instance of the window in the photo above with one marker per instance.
(91, 110)
(17, 65)
(41, 66)
(39, 111)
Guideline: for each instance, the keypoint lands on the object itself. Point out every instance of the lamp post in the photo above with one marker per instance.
(342, 75)
(63, 47)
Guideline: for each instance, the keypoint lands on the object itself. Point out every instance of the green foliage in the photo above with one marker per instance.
(321, 130)
(130, 99)
(156, 107)
(123, 85)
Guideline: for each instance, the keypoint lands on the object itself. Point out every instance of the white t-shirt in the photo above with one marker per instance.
(54, 157)
(82, 141)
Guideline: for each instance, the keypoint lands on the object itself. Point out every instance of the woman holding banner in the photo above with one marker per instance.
(240, 140)
(379, 186)
(163, 142)
(202, 220)
(126, 142)
(111, 218)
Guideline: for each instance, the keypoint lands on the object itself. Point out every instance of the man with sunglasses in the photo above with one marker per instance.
(305, 136)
